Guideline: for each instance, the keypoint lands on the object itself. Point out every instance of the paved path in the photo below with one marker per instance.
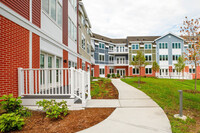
(135, 113)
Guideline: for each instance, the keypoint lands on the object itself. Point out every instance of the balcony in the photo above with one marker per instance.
(119, 62)
(123, 50)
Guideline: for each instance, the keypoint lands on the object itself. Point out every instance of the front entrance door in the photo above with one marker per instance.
(121, 72)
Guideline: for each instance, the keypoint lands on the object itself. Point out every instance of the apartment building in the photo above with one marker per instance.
(116, 56)
(39, 46)
(85, 46)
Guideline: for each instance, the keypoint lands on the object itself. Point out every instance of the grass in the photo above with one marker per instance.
(165, 93)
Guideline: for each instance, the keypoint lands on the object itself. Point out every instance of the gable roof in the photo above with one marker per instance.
(171, 34)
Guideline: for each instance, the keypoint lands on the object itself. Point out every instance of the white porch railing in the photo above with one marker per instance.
(175, 75)
(53, 82)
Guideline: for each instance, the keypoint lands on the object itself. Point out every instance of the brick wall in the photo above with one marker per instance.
(65, 22)
(35, 51)
(96, 70)
(106, 71)
(19, 6)
(36, 12)
(14, 49)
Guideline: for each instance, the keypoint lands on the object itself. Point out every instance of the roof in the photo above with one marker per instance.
(142, 38)
(168, 34)
(112, 40)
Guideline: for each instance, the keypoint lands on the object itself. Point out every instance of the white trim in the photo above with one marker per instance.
(18, 19)
(30, 49)
(168, 34)
(141, 42)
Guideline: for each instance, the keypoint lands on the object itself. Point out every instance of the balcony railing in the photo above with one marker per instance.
(115, 50)
(175, 75)
(54, 82)
(114, 62)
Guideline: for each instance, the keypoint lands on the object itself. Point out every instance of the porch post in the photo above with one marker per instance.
(72, 82)
(83, 87)
(20, 84)
(89, 95)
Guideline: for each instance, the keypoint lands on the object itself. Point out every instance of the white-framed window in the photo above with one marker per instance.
(101, 71)
(83, 66)
(111, 58)
(163, 57)
(121, 60)
(175, 57)
(101, 45)
(148, 70)
(147, 46)
(54, 9)
(72, 30)
(111, 70)
(88, 48)
(102, 57)
(176, 45)
(83, 42)
(148, 57)
(136, 71)
(73, 3)
(111, 47)
(163, 45)
(135, 46)
(192, 70)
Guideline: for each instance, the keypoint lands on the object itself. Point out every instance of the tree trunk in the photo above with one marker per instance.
(139, 79)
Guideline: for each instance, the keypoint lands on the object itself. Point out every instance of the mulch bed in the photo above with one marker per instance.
(75, 121)
(112, 91)
(141, 82)
(192, 91)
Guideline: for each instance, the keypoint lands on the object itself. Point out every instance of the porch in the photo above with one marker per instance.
(69, 84)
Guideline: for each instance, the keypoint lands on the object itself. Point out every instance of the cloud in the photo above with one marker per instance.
(121, 18)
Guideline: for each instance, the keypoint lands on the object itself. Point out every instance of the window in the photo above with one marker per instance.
(83, 66)
(101, 71)
(148, 70)
(176, 45)
(88, 48)
(135, 46)
(192, 70)
(101, 45)
(136, 71)
(59, 14)
(175, 57)
(41, 60)
(101, 57)
(163, 57)
(111, 58)
(148, 57)
(163, 45)
(73, 3)
(83, 42)
(72, 30)
(111, 48)
(111, 70)
(53, 9)
(148, 46)
(45, 5)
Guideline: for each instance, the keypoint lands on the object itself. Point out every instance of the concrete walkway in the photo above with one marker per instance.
(135, 113)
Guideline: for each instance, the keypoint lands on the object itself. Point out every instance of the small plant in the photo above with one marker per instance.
(13, 105)
(10, 121)
(118, 75)
(113, 75)
(108, 75)
(10, 104)
(54, 109)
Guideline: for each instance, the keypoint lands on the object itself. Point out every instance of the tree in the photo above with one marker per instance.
(139, 62)
(180, 64)
(191, 32)
(155, 67)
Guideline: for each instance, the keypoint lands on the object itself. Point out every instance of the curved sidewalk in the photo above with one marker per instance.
(135, 113)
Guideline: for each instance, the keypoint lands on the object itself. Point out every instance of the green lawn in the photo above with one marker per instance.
(165, 93)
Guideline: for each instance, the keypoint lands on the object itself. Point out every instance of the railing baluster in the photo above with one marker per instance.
(42, 82)
(35, 82)
(66, 81)
(26, 83)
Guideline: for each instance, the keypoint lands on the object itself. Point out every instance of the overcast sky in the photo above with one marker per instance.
(121, 18)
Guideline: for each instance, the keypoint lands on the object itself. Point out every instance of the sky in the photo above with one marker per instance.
(122, 18)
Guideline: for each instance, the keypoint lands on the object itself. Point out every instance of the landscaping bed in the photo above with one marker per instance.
(103, 89)
(75, 121)
(165, 93)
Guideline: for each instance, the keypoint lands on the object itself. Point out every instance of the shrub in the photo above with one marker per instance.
(10, 104)
(118, 75)
(108, 75)
(13, 105)
(10, 121)
(54, 109)
(113, 75)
